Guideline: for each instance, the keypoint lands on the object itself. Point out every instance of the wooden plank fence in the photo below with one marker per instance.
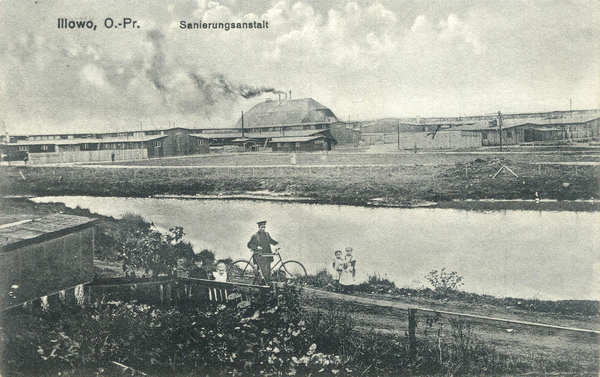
(168, 291)
(189, 291)
(414, 312)
(164, 291)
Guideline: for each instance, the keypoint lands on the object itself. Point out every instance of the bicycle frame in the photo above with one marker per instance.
(277, 264)
(282, 270)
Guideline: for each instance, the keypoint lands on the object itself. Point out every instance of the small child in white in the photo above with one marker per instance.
(221, 273)
(348, 275)
(337, 265)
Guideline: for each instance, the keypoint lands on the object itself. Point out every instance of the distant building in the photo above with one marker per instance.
(44, 149)
(178, 142)
(578, 127)
(306, 125)
(538, 131)
(289, 125)
(44, 256)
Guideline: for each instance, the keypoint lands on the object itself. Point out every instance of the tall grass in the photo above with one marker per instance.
(270, 336)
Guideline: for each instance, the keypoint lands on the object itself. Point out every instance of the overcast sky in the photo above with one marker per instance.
(362, 59)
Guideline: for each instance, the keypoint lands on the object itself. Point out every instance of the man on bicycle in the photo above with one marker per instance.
(260, 243)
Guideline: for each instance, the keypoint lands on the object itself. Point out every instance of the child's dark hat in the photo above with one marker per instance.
(261, 223)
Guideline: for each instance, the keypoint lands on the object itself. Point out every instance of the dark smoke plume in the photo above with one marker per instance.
(219, 84)
(204, 88)
(157, 68)
(248, 91)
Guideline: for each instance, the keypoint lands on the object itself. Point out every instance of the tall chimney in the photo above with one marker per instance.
(290, 94)
(242, 124)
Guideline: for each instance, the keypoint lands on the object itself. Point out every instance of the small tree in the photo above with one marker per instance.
(444, 282)
(207, 256)
(154, 251)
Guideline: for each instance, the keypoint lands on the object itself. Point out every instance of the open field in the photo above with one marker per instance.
(351, 156)
(401, 178)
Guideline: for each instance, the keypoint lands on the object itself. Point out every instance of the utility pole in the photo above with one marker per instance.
(6, 142)
(500, 127)
(242, 123)
(398, 134)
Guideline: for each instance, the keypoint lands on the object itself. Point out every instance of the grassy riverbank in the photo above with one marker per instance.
(400, 179)
(109, 229)
(350, 339)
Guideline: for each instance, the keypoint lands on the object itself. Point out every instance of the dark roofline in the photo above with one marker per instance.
(48, 235)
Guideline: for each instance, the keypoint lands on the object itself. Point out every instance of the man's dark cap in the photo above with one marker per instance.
(261, 223)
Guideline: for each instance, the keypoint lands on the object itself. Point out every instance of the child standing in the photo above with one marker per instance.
(221, 273)
(197, 271)
(348, 275)
(338, 263)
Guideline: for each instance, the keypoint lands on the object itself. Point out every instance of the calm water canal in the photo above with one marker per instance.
(526, 254)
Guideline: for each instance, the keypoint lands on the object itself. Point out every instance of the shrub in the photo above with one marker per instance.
(321, 280)
(134, 221)
(444, 282)
(154, 251)
(207, 256)
(270, 336)
(376, 283)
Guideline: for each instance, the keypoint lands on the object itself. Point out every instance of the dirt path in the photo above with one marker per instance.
(385, 314)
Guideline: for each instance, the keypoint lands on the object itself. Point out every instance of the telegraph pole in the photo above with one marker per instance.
(571, 108)
(398, 134)
(242, 124)
(500, 127)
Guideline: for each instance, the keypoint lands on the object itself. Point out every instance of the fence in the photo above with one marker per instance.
(416, 314)
(427, 141)
(88, 156)
(168, 291)
(164, 291)
(194, 292)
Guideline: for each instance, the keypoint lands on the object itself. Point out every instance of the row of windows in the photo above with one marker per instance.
(25, 148)
(484, 135)
(287, 145)
(92, 136)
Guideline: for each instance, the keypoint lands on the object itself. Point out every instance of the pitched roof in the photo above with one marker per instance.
(257, 135)
(510, 123)
(133, 139)
(22, 233)
(288, 112)
(295, 139)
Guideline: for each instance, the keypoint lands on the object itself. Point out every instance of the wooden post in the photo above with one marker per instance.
(169, 293)
(500, 128)
(87, 294)
(412, 332)
(398, 134)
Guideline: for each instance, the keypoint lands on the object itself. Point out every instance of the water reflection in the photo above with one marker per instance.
(526, 254)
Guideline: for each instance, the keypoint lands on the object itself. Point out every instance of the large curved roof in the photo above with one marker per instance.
(287, 112)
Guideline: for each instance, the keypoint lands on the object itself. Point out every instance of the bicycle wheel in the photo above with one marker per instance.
(241, 271)
(292, 272)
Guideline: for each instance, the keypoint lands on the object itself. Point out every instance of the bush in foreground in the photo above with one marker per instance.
(268, 337)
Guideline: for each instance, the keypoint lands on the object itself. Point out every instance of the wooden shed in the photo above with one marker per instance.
(318, 142)
(44, 256)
